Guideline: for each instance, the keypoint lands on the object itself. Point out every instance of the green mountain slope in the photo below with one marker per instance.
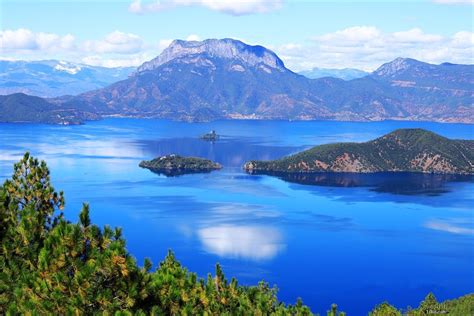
(413, 150)
(19, 107)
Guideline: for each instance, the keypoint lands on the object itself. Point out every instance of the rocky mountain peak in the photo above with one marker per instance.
(395, 67)
(219, 48)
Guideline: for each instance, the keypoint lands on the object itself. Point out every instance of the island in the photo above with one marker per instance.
(174, 165)
(211, 136)
(403, 150)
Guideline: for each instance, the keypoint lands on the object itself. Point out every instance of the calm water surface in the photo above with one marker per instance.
(352, 239)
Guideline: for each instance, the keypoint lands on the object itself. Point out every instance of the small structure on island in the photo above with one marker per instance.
(212, 136)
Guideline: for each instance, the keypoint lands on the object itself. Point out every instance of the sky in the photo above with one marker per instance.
(304, 34)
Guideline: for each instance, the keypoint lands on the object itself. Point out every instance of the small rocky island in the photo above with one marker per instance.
(403, 150)
(174, 165)
(212, 136)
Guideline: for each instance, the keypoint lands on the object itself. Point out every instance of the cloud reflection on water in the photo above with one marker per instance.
(228, 230)
(240, 241)
(113, 148)
(462, 226)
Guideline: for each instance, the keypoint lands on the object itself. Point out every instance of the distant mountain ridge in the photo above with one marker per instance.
(408, 72)
(403, 150)
(53, 78)
(344, 73)
(228, 79)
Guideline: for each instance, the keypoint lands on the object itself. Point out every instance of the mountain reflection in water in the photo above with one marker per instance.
(227, 151)
(406, 183)
(178, 172)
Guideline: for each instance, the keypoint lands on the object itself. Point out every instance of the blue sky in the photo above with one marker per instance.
(305, 34)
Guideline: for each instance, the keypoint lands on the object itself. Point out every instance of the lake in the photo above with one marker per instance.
(354, 240)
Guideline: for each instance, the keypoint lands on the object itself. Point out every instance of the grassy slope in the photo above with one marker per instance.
(392, 152)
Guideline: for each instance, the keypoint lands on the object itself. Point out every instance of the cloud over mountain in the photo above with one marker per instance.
(363, 47)
(366, 47)
(116, 42)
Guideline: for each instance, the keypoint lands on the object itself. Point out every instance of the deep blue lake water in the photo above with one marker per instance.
(356, 240)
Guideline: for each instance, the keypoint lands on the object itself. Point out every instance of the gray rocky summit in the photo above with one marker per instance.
(221, 48)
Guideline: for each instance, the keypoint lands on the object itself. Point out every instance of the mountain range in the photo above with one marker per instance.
(228, 79)
(344, 73)
(53, 78)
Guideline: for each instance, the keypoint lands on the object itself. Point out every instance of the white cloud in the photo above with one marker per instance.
(291, 46)
(18, 39)
(454, 1)
(415, 35)
(233, 7)
(352, 35)
(243, 6)
(116, 42)
(367, 47)
(162, 44)
(114, 49)
(117, 61)
(193, 37)
(463, 39)
(24, 39)
(139, 8)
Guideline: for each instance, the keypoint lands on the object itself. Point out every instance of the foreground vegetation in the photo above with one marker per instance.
(51, 266)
